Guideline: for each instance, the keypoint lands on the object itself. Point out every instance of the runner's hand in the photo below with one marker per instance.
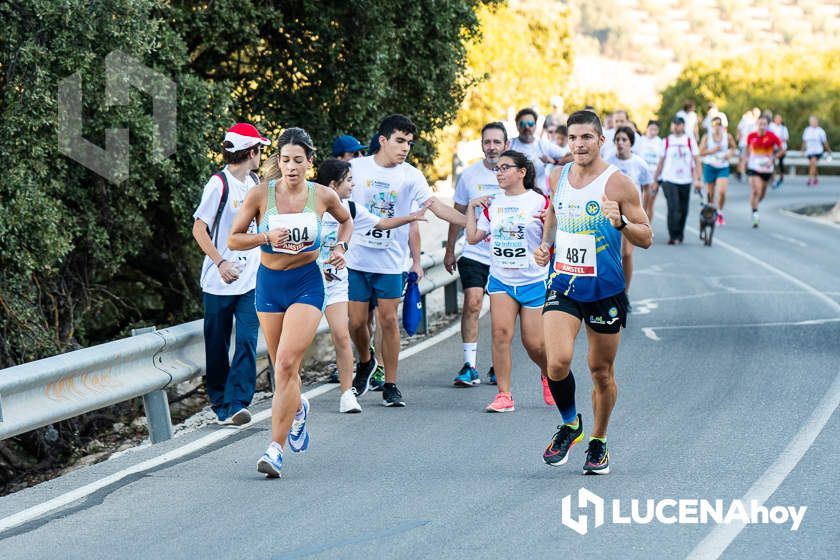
(418, 269)
(449, 261)
(483, 201)
(228, 272)
(542, 254)
(419, 215)
(337, 258)
(609, 208)
(277, 236)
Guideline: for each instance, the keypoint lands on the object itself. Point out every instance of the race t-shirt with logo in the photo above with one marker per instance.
(386, 192)
(515, 231)
(635, 168)
(587, 248)
(815, 140)
(650, 150)
(719, 150)
(247, 262)
(761, 151)
(475, 181)
(679, 152)
(363, 220)
(535, 150)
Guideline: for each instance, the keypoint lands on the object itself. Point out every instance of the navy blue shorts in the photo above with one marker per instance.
(277, 290)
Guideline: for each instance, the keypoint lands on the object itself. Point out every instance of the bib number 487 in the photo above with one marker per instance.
(575, 255)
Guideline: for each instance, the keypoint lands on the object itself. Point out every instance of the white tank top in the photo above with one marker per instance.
(718, 157)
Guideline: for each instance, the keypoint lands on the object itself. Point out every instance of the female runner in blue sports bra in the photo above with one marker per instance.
(290, 287)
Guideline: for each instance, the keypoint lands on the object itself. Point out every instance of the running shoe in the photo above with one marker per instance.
(378, 378)
(391, 396)
(547, 396)
(240, 417)
(720, 220)
(755, 219)
(348, 402)
(777, 183)
(557, 452)
(364, 371)
(271, 461)
(491, 376)
(298, 434)
(597, 458)
(467, 377)
(502, 403)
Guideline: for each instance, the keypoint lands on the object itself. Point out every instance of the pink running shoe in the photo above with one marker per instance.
(720, 220)
(502, 403)
(547, 396)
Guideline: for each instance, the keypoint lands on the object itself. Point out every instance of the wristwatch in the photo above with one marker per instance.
(343, 245)
(624, 223)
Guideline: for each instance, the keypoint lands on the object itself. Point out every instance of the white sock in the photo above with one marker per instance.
(470, 349)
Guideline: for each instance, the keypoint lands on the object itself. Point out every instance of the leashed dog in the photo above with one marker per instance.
(708, 217)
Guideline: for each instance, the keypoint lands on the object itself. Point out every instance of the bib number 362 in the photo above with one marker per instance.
(575, 254)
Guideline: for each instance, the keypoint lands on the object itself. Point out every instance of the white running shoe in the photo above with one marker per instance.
(348, 402)
(298, 434)
(241, 417)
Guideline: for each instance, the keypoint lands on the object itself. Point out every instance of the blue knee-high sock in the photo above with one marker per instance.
(564, 396)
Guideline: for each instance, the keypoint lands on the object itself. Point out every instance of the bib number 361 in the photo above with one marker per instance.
(376, 239)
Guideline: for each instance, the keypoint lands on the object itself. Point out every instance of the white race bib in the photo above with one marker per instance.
(574, 253)
(510, 253)
(763, 163)
(375, 238)
(303, 229)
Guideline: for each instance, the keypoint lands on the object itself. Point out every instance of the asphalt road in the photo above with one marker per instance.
(729, 379)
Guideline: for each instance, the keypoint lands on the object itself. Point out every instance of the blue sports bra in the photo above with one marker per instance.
(304, 226)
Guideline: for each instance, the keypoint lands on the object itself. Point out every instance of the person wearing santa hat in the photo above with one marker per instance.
(228, 278)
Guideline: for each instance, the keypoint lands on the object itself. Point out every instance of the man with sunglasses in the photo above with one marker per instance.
(539, 150)
(346, 147)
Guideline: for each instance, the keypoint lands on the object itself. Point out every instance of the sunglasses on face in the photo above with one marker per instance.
(523, 124)
(504, 167)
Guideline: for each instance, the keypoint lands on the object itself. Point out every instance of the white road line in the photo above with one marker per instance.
(222, 433)
(805, 322)
(716, 542)
(789, 239)
(650, 333)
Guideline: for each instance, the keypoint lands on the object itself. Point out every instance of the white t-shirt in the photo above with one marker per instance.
(608, 148)
(247, 261)
(781, 132)
(539, 147)
(363, 221)
(650, 150)
(386, 192)
(744, 128)
(514, 234)
(475, 181)
(815, 140)
(634, 167)
(679, 152)
(690, 119)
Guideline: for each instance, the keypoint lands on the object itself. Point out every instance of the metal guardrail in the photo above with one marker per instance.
(46, 391)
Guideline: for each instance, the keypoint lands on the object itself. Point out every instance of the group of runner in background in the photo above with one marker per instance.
(551, 222)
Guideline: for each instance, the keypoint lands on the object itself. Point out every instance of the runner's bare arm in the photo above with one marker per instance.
(622, 198)
(445, 212)
(475, 235)
(454, 230)
(658, 171)
(332, 204)
(542, 254)
(239, 239)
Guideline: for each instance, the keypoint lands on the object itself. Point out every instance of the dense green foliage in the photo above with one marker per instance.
(796, 84)
(81, 259)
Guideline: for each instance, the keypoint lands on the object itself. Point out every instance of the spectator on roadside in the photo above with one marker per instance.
(228, 278)
(346, 147)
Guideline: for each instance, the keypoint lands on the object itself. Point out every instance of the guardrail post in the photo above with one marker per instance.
(423, 327)
(450, 298)
(156, 405)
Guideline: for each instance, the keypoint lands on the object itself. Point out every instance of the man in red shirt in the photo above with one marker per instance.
(763, 148)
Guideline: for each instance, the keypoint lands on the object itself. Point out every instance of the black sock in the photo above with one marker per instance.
(564, 397)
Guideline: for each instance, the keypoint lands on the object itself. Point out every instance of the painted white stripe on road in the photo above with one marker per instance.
(650, 333)
(716, 542)
(222, 433)
(805, 322)
(789, 239)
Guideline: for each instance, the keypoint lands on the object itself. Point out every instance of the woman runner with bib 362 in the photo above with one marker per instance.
(290, 291)
(516, 283)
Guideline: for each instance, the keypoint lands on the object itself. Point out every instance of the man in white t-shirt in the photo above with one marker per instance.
(679, 164)
(540, 151)
(814, 144)
(387, 186)
(228, 278)
(619, 119)
(477, 180)
(689, 115)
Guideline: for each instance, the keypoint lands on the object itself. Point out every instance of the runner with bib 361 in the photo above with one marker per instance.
(593, 206)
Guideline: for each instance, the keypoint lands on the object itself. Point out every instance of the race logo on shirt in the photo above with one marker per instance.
(593, 208)
(383, 203)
